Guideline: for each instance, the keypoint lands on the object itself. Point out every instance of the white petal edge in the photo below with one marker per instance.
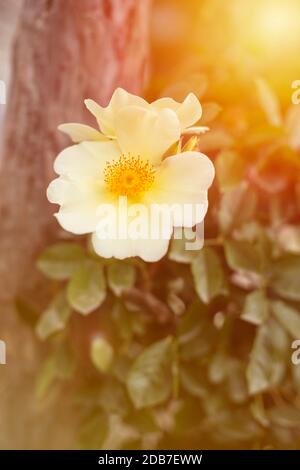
(105, 116)
(148, 250)
(79, 132)
(188, 112)
(184, 180)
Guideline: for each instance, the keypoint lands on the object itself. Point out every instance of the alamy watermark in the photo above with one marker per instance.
(2, 352)
(124, 221)
(2, 92)
(296, 93)
(296, 354)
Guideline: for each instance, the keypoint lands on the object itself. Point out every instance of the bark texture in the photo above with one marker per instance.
(65, 51)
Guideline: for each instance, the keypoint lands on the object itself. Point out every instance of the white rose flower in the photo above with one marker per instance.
(130, 165)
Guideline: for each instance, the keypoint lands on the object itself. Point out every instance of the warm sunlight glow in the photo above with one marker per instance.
(277, 22)
(269, 28)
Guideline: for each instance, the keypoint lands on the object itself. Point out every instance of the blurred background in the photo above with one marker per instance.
(192, 351)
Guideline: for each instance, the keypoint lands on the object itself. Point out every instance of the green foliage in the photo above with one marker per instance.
(268, 357)
(60, 261)
(285, 277)
(149, 380)
(55, 317)
(209, 278)
(288, 317)
(59, 365)
(120, 277)
(256, 308)
(101, 354)
(229, 168)
(87, 288)
(194, 350)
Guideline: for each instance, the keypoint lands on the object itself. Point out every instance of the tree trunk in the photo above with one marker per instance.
(66, 51)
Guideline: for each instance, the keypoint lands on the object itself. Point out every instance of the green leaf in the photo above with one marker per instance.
(61, 260)
(218, 368)
(93, 430)
(59, 365)
(229, 169)
(178, 247)
(55, 317)
(120, 276)
(242, 255)
(236, 381)
(46, 377)
(268, 357)
(209, 279)
(286, 416)
(288, 317)
(285, 279)
(237, 207)
(101, 353)
(149, 381)
(193, 382)
(87, 288)
(256, 308)
(65, 362)
(289, 238)
(196, 332)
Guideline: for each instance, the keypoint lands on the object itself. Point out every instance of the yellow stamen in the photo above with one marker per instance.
(129, 176)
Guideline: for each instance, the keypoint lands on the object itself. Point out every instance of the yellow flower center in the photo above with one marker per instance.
(129, 176)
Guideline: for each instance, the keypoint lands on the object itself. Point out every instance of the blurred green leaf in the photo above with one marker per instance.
(94, 430)
(258, 411)
(209, 279)
(289, 238)
(55, 317)
(101, 353)
(61, 260)
(218, 368)
(193, 382)
(119, 433)
(87, 288)
(236, 427)
(268, 357)
(237, 206)
(256, 308)
(285, 278)
(288, 317)
(216, 139)
(242, 255)
(229, 168)
(236, 381)
(46, 377)
(287, 416)
(178, 251)
(196, 333)
(175, 303)
(65, 362)
(150, 380)
(113, 398)
(59, 365)
(120, 276)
